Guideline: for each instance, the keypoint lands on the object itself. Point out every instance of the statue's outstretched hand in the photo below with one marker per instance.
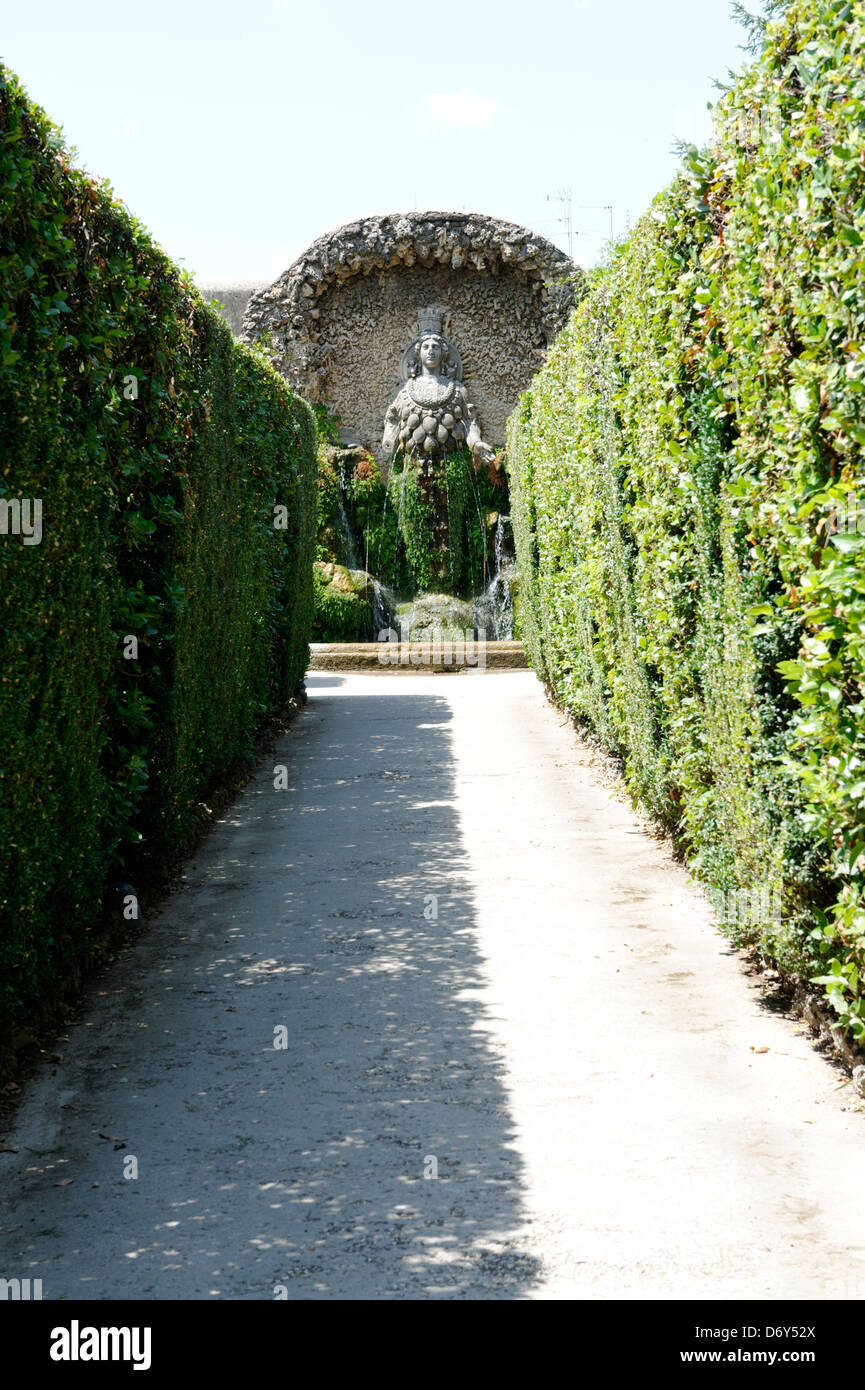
(391, 432)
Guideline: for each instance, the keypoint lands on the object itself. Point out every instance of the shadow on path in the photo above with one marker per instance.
(337, 909)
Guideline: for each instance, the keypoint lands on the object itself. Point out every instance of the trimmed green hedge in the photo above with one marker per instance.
(161, 451)
(684, 479)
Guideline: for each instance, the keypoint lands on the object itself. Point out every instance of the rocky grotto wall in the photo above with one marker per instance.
(341, 317)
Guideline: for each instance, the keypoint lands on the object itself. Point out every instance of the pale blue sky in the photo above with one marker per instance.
(240, 132)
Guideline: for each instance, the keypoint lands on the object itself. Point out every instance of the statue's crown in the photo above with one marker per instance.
(429, 321)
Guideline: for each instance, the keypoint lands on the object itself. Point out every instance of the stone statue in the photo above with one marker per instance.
(431, 415)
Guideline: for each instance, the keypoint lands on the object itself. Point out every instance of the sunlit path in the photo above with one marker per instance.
(519, 1060)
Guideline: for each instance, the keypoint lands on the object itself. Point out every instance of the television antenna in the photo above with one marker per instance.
(566, 196)
(599, 207)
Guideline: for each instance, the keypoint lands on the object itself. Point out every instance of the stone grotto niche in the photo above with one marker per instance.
(340, 317)
(418, 332)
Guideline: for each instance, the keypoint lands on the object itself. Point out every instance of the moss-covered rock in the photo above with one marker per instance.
(344, 602)
(434, 614)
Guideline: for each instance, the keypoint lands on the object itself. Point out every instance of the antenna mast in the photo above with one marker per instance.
(566, 196)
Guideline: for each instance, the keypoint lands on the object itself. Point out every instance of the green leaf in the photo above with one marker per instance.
(846, 542)
(792, 670)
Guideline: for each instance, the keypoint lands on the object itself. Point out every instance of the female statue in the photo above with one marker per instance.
(431, 415)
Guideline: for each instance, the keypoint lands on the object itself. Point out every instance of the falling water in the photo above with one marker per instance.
(347, 537)
(494, 610)
(491, 611)
(450, 533)
(499, 542)
(383, 608)
(483, 529)
(382, 531)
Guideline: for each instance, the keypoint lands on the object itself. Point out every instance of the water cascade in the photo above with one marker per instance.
(346, 533)
(494, 610)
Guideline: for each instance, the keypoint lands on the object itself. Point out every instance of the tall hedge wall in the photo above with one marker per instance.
(161, 451)
(685, 474)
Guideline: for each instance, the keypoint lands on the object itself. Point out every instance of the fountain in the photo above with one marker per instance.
(432, 518)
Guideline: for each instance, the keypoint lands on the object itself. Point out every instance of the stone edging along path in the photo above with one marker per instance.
(809, 1007)
(395, 657)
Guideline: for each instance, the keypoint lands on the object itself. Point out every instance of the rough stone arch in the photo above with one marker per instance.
(341, 316)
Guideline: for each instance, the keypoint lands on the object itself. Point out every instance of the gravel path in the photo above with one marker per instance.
(486, 969)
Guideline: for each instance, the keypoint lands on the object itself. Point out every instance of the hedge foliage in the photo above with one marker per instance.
(685, 474)
(162, 452)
